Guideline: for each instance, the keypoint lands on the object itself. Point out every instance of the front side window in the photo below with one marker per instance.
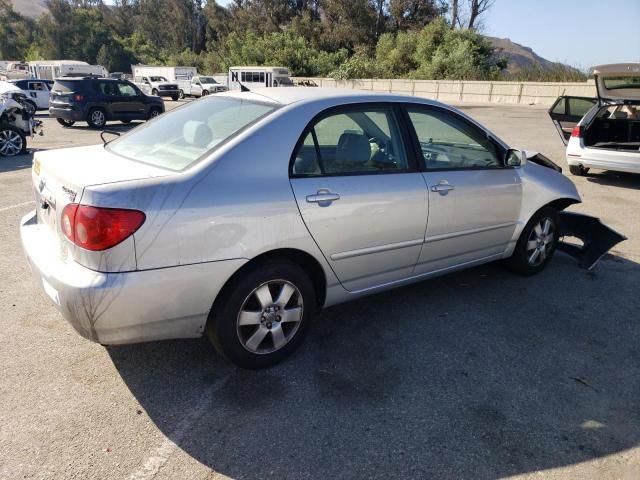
(362, 141)
(448, 142)
(180, 138)
(127, 90)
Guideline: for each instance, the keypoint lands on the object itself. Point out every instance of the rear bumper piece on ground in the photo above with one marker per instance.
(596, 237)
(127, 307)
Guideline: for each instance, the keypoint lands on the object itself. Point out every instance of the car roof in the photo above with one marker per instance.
(289, 95)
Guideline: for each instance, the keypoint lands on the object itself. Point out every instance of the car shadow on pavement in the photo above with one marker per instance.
(114, 127)
(479, 374)
(19, 162)
(616, 179)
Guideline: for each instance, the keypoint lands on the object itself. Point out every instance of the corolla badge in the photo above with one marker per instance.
(72, 195)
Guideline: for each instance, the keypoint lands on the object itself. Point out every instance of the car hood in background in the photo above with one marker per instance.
(602, 73)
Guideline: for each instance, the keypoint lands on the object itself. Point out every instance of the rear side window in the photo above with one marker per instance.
(361, 141)
(67, 85)
(180, 138)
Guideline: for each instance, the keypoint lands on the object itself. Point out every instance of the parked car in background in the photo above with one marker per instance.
(37, 90)
(241, 214)
(158, 86)
(200, 86)
(603, 132)
(98, 100)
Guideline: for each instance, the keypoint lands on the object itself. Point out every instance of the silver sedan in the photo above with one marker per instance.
(240, 215)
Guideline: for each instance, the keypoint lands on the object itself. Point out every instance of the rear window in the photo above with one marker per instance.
(67, 85)
(180, 138)
(615, 83)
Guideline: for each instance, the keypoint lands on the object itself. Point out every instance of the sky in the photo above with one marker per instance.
(568, 31)
(581, 33)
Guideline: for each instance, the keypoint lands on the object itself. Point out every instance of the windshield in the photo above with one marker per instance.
(207, 80)
(613, 83)
(180, 138)
(157, 79)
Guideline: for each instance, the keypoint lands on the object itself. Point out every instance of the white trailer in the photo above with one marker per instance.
(172, 74)
(255, 77)
(52, 69)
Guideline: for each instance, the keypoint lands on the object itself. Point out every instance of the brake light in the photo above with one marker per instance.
(78, 97)
(96, 228)
(576, 131)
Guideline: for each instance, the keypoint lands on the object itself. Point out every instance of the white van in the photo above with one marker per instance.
(256, 77)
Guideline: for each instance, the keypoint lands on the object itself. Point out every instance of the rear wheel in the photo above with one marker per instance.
(537, 243)
(578, 170)
(175, 97)
(263, 315)
(181, 95)
(96, 118)
(154, 92)
(65, 123)
(12, 141)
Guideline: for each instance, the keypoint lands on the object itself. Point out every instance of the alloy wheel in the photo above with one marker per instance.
(97, 118)
(270, 317)
(540, 241)
(10, 143)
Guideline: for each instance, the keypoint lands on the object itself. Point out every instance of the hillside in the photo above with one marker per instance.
(521, 57)
(30, 8)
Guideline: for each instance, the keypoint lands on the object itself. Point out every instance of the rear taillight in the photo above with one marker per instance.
(96, 228)
(78, 97)
(576, 131)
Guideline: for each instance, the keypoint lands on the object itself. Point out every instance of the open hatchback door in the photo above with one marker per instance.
(618, 81)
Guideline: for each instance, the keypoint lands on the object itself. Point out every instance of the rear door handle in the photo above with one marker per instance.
(442, 187)
(323, 197)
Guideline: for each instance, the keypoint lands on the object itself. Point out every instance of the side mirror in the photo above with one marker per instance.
(515, 158)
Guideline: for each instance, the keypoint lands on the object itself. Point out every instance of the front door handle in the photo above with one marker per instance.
(323, 197)
(442, 187)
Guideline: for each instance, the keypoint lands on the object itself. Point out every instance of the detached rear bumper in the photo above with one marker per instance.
(128, 307)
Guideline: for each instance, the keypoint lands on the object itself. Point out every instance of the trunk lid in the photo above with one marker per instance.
(618, 81)
(60, 177)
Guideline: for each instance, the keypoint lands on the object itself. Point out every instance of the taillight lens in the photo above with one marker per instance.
(96, 228)
(78, 97)
(576, 131)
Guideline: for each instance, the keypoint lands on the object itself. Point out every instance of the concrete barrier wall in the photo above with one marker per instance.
(517, 93)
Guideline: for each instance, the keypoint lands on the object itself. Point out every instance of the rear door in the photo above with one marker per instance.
(361, 197)
(567, 111)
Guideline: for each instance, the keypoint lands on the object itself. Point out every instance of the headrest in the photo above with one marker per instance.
(197, 133)
(353, 148)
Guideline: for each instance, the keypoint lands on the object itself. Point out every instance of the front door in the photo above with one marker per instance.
(362, 200)
(39, 91)
(130, 103)
(474, 200)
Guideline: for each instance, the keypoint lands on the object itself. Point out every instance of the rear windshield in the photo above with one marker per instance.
(614, 83)
(66, 85)
(178, 139)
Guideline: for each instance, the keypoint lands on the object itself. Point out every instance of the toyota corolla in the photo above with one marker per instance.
(240, 215)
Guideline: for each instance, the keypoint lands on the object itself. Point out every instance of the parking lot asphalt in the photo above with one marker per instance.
(480, 374)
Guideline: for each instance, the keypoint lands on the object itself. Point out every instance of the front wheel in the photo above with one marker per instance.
(154, 92)
(96, 118)
(578, 170)
(154, 112)
(65, 123)
(12, 141)
(205, 92)
(537, 243)
(263, 316)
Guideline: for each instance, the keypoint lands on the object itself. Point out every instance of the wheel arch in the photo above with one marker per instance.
(299, 257)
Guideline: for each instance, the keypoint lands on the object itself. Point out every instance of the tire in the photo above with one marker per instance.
(126, 122)
(253, 345)
(539, 235)
(154, 92)
(578, 170)
(175, 98)
(12, 141)
(181, 95)
(154, 112)
(97, 118)
(30, 107)
(65, 123)
(205, 93)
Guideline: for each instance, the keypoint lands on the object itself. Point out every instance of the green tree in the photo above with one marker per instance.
(16, 32)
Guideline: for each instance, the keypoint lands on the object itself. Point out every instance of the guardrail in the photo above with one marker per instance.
(516, 93)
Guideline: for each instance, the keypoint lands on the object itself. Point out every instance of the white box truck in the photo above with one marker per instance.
(52, 69)
(256, 77)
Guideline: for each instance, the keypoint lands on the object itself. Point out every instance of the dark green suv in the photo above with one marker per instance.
(98, 100)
